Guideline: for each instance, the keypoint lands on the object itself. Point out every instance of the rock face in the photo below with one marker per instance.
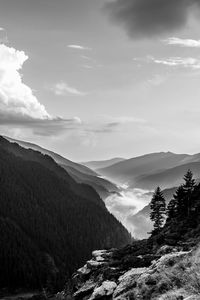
(107, 276)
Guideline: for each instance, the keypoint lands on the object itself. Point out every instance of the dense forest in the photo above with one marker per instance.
(49, 224)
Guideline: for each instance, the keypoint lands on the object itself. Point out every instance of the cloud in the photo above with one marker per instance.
(19, 107)
(79, 47)
(91, 63)
(15, 96)
(187, 62)
(41, 127)
(147, 18)
(157, 79)
(63, 89)
(109, 124)
(126, 119)
(2, 29)
(87, 66)
(183, 42)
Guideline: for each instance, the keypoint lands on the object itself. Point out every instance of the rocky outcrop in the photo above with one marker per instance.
(123, 274)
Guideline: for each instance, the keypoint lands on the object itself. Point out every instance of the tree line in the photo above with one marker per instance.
(184, 204)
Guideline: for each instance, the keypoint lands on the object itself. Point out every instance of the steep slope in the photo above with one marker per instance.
(80, 173)
(103, 163)
(101, 185)
(58, 158)
(126, 171)
(49, 224)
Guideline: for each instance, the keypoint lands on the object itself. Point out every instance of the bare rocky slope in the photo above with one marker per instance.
(143, 271)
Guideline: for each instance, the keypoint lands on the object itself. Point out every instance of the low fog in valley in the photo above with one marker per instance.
(125, 205)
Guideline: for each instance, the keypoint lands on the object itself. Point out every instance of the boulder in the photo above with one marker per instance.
(106, 289)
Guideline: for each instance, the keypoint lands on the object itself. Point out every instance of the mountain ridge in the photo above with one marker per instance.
(102, 163)
(79, 172)
(129, 170)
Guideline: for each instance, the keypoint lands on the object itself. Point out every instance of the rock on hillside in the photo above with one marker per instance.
(124, 274)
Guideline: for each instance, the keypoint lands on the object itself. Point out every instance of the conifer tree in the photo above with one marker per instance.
(158, 208)
(189, 181)
(179, 199)
(172, 209)
(183, 195)
(188, 187)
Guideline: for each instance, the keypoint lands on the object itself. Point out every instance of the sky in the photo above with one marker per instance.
(95, 79)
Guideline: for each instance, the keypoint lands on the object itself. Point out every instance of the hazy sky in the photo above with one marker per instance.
(93, 79)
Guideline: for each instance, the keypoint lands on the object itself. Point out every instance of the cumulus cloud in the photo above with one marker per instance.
(2, 29)
(186, 62)
(183, 42)
(19, 107)
(146, 18)
(79, 47)
(63, 89)
(15, 96)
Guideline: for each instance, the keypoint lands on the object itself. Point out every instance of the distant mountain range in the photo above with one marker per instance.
(169, 177)
(103, 163)
(148, 171)
(79, 172)
(49, 223)
(164, 169)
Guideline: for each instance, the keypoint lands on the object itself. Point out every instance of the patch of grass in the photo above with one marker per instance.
(172, 279)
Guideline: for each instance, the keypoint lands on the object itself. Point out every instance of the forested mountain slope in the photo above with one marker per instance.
(49, 224)
(79, 172)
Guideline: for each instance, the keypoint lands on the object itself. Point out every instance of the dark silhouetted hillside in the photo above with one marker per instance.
(49, 224)
(81, 173)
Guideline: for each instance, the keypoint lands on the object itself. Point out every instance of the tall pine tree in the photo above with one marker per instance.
(158, 208)
(179, 202)
(188, 187)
